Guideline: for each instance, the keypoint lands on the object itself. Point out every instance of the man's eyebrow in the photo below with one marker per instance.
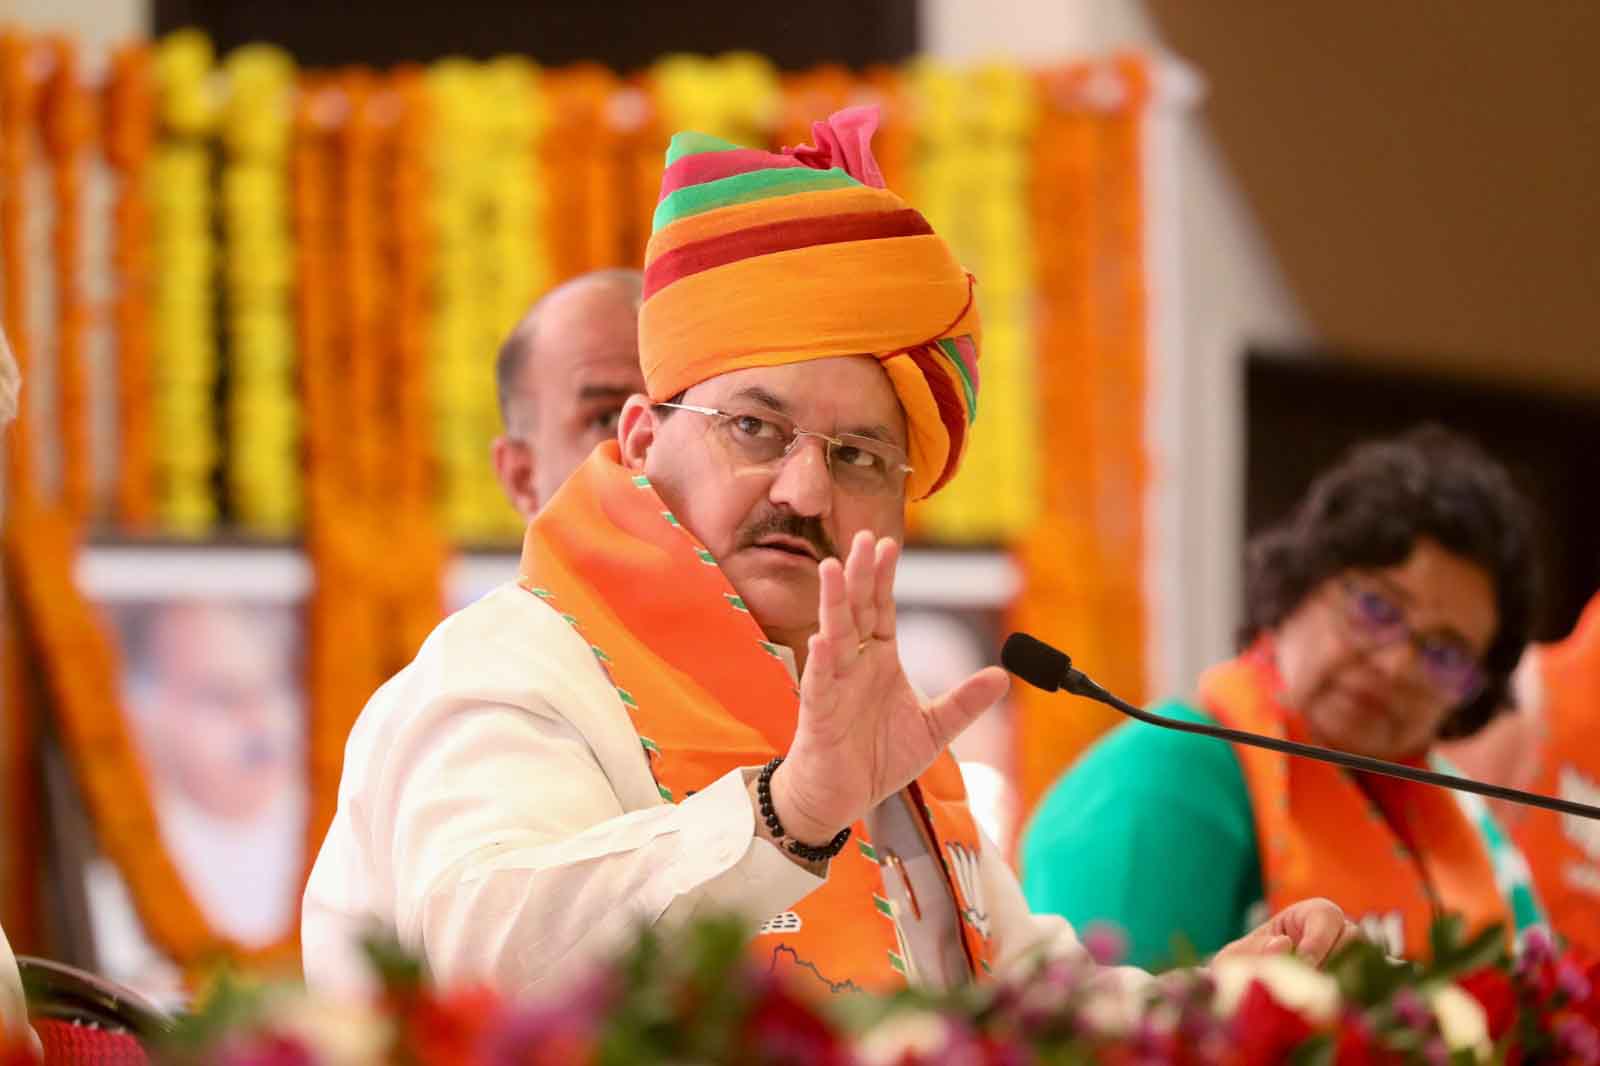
(606, 392)
(763, 397)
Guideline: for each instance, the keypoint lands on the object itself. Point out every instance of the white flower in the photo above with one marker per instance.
(914, 1033)
(1294, 984)
(338, 1033)
(1462, 1022)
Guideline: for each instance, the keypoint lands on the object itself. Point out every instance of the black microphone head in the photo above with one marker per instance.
(1034, 661)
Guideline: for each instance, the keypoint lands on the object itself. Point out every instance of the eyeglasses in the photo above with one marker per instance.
(1448, 666)
(860, 466)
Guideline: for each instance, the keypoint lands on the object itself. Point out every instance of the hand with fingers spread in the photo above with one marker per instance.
(863, 732)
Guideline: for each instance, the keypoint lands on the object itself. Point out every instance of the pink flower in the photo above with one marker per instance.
(1579, 1039)
(1410, 1010)
(1572, 981)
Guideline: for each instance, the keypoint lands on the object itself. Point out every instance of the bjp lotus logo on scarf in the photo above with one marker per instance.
(964, 865)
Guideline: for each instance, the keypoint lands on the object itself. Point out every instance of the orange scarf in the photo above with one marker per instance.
(1391, 853)
(708, 694)
(1564, 850)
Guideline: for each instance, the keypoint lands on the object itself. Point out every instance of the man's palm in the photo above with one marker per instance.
(863, 732)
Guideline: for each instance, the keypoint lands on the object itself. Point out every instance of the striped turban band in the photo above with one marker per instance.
(762, 259)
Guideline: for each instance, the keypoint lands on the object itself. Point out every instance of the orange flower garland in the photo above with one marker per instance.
(20, 905)
(17, 104)
(1082, 561)
(68, 127)
(129, 133)
(81, 670)
(342, 666)
(412, 590)
(583, 209)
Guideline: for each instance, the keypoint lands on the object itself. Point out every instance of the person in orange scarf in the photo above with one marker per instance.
(692, 699)
(1547, 745)
(1384, 615)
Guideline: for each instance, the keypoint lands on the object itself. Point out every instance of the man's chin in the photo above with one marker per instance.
(780, 603)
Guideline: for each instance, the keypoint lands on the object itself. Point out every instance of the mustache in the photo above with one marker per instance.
(808, 529)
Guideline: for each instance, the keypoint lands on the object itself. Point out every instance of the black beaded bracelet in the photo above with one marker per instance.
(769, 814)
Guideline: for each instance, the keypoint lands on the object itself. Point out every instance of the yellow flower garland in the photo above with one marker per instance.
(491, 259)
(972, 183)
(187, 449)
(263, 469)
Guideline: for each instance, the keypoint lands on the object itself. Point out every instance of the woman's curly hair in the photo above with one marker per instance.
(1371, 509)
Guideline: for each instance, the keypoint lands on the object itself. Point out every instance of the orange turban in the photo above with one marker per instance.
(763, 259)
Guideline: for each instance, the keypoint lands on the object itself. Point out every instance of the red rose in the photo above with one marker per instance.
(449, 1029)
(1264, 1030)
(783, 1029)
(1496, 995)
(1358, 1045)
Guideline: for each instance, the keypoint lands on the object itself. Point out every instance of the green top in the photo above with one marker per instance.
(1152, 830)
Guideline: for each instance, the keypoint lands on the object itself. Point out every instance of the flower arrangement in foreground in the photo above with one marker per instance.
(693, 998)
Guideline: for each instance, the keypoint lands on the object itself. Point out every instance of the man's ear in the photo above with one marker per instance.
(515, 464)
(636, 430)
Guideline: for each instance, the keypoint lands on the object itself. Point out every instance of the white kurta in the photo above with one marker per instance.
(497, 812)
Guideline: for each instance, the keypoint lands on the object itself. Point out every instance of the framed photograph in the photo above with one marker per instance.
(211, 643)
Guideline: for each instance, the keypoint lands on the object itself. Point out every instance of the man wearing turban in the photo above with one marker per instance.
(692, 700)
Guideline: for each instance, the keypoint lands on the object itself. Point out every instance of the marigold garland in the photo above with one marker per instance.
(18, 94)
(263, 467)
(187, 448)
(68, 125)
(491, 262)
(341, 668)
(972, 183)
(129, 136)
(1082, 560)
(413, 590)
(581, 158)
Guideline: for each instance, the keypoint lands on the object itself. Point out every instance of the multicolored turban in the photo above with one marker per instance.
(762, 259)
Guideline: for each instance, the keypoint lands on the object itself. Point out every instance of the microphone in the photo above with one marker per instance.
(1050, 669)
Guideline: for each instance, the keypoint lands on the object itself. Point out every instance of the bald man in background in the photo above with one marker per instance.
(563, 375)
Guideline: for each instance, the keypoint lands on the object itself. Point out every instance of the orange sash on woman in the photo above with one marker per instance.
(708, 694)
(1319, 833)
(1564, 850)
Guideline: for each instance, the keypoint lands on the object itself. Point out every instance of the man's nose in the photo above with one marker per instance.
(803, 482)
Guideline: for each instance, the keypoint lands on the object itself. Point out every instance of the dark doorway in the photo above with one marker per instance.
(1304, 412)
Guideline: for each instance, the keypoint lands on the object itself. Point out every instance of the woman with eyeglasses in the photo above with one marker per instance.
(1385, 615)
